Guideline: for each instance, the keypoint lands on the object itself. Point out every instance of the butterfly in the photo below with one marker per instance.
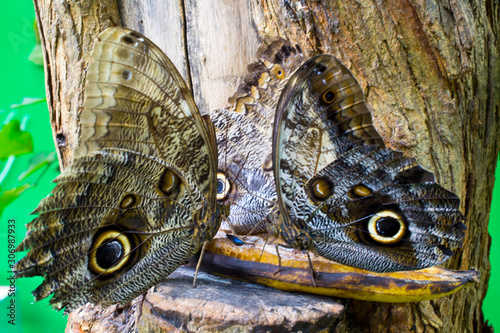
(245, 182)
(341, 193)
(139, 198)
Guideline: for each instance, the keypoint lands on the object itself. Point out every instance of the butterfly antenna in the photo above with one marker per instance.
(254, 228)
(231, 226)
(199, 262)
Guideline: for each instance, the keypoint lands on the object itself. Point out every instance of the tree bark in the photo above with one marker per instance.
(430, 71)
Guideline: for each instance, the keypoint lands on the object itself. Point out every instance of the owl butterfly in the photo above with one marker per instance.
(245, 183)
(139, 198)
(341, 193)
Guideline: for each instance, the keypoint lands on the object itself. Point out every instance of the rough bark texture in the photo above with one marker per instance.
(68, 31)
(430, 70)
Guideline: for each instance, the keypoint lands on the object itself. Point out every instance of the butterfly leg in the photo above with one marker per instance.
(279, 257)
(314, 274)
(199, 263)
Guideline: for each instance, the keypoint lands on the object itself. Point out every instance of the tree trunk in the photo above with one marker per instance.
(430, 71)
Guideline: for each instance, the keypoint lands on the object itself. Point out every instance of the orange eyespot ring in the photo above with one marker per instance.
(329, 96)
(280, 73)
(386, 227)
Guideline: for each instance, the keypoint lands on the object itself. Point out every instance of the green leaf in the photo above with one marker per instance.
(13, 141)
(8, 196)
(36, 55)
(26, 102)
(38, 162)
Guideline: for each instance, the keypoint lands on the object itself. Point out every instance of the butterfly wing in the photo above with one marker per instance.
(139, 197)
(345, 196)
(244, 134)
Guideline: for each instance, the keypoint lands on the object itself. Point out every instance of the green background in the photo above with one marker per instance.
(22, 78)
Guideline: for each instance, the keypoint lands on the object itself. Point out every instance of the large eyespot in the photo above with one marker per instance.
(359, 191)
(169, 182)
(386, 227)
(321, 189)
(110, 252)
(223, 186)
(328, 96)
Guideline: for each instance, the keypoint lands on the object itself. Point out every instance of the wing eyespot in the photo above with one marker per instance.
(129, 40)
(129, 201)
(267, 165)
(321, 189)
(223, 186)
(126, 75)
(110, 252)
(328, 96)
(359, 191)
(169, 182)
(279, 72)
(386, 227)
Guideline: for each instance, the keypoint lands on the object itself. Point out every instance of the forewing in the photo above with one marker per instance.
(321, 114)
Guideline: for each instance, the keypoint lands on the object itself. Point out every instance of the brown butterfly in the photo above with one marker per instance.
(139, 198)
(341, 193)
(245, 183)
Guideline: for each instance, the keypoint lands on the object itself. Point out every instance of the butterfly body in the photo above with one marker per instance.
(139, 197)
(341, 193)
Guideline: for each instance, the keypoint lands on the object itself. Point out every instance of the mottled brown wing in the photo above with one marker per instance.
(341, 193)
(244, 134)
(139, 197)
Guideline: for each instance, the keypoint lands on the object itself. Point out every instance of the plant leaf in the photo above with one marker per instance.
(27, 101)
(8, 196)
(38, 162)
(36, 55)
(13, 141)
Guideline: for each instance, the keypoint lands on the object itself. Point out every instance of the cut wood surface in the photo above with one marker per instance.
(430, 70)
